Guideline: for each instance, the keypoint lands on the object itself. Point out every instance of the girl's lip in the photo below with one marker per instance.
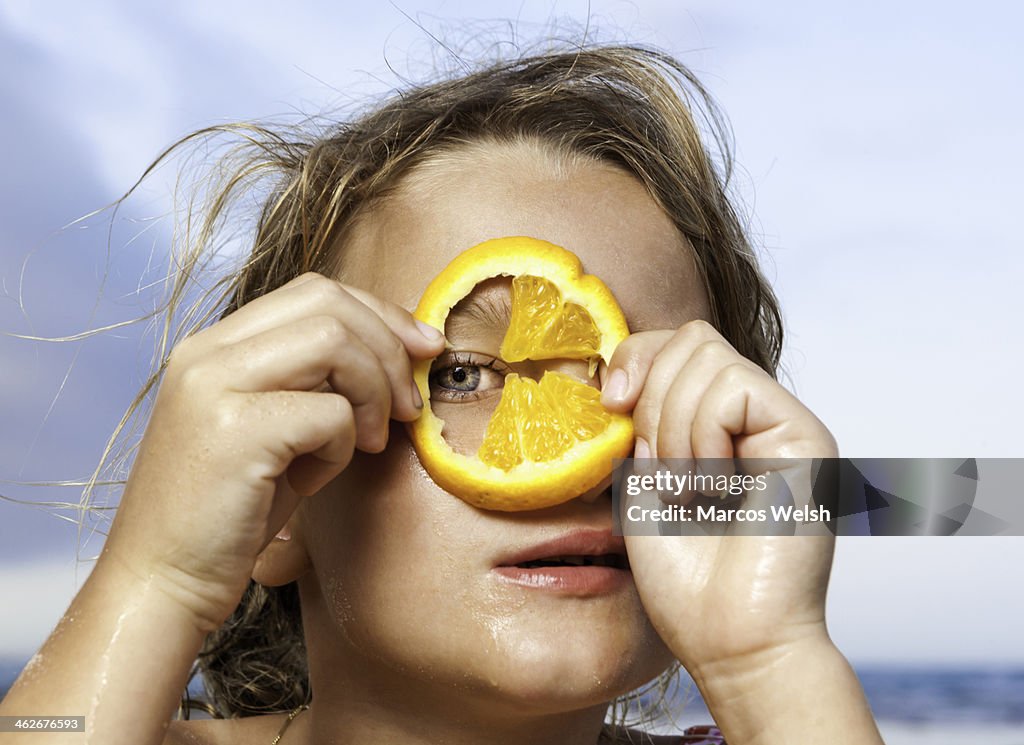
(578, 542)
(570, 579)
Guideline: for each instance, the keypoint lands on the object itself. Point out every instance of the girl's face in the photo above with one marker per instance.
(403, 588)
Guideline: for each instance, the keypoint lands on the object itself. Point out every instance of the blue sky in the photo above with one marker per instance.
(880, 155)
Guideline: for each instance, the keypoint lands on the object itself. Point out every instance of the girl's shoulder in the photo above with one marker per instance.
(260, 730)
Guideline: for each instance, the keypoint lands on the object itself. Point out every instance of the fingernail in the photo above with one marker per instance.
(641, 449)
(284, 534)
(617, 385)
(429, 332)
(417, 399)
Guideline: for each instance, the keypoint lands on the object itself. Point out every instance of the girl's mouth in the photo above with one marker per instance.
(581, 563)
(616, 561)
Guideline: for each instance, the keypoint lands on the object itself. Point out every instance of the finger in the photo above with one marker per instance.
(671, 438)
(623, 379)
(674, 437)
(762, 419)
(310, 473)
(422, 340)
(314, 294)
(312, 433)
(322, 296)
(258, 314)
(739, 403)
(304, 354)
(665, 369)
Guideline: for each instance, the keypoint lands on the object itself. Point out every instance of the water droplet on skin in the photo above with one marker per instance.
(113, 654)
(34, 667)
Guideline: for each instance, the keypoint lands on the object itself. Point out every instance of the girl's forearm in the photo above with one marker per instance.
(120, 657)
(807, 693)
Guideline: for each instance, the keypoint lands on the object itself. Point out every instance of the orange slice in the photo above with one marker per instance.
(547, 441)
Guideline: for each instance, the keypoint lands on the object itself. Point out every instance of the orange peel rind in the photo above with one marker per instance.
(556, 441)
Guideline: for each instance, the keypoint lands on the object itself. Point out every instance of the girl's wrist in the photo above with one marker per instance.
(136, 582)
(802, 691)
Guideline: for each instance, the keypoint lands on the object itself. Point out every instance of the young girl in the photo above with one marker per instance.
(277, 522)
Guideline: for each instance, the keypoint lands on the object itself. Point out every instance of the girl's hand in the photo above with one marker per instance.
(723, 605)
(254, 413)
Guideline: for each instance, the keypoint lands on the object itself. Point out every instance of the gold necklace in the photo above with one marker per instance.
(280, 733)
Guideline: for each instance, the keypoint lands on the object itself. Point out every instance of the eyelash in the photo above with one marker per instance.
(464, 359)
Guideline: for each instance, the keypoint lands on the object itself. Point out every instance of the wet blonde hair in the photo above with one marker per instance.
(634, 107)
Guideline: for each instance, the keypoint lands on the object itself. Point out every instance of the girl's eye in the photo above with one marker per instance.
(459, 377)
(465, 376)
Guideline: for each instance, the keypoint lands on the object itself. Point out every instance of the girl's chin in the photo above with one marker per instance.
(570, 672)
(545, 694)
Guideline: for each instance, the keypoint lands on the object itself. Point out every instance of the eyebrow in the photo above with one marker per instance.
(493, 309)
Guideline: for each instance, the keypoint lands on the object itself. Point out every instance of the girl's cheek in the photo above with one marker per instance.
(465, 423)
